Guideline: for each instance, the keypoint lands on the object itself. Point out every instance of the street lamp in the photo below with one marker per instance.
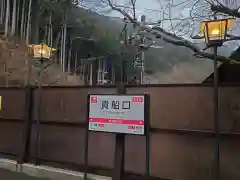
(41, 52)
(215, 34)
(215, 31)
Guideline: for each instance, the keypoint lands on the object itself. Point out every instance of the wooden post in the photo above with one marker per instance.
(25, 149)
(119, 145)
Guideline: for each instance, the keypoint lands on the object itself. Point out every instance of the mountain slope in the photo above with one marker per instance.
(15, 65)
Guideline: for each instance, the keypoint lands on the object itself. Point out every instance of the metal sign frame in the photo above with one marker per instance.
(146, 113)
(118, 170)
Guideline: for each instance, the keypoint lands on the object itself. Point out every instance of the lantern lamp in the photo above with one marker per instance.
(41, 51)
(215, 31)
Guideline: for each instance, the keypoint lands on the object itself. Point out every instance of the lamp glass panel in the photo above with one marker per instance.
(226, 23)
(216, 30)
(37, 51)
(42, 51)
(202, 28)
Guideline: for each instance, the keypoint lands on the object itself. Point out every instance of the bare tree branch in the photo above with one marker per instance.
(171, 38)
(225, 10)
(133, 2)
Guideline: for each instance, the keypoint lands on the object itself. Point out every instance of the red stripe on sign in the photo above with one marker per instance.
(117, 121)
(137, 99)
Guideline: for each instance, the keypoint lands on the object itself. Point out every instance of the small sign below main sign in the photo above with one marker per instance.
(117, 113)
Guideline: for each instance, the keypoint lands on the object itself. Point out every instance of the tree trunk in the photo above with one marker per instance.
(63, 43)
(56, 45)
(61, 49)
(2, 11)
(23, 19)
(18, 21)
(7, 17)
(56, 41)
(50, 30)
(75, 63)
(64, 47)
(14, 12)
(45, 36)
(51, 33)
(35, 22)
(69, 56)
(28, 21)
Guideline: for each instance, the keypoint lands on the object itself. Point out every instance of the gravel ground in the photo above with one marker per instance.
(9, 175)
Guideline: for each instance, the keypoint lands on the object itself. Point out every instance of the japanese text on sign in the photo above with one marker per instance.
(117, 113)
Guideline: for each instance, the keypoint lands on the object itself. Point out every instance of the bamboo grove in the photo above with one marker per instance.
(35, 21)
(58, 23)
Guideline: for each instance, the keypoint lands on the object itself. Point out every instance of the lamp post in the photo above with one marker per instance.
(215, 34)
(42, 53)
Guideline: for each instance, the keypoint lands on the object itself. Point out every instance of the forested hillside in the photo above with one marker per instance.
(58, 23)
(79, 32)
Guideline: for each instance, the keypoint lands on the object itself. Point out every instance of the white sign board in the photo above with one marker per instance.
(117, 113)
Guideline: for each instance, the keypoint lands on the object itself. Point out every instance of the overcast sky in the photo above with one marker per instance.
(176, 10)
(168, 9)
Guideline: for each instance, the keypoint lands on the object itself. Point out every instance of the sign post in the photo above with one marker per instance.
(121, 114)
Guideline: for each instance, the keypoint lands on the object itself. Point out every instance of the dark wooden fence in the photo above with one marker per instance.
(182, 138)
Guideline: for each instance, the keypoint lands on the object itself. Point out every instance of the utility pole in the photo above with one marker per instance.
(91, 74)
(75, 63)
(123, 65)
(143, 20)
(90, 70)
(99, 71)
(64, 47)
